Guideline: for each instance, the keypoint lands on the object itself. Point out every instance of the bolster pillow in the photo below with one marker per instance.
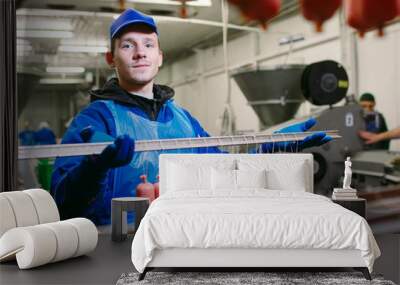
(40, 244)
(26, 208)
(31, 231)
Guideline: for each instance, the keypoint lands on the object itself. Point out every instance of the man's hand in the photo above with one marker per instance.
(117, 154)
(370, 138)
(316, 139)
(374, 138)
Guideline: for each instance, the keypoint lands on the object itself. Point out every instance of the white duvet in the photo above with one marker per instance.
(251, 218)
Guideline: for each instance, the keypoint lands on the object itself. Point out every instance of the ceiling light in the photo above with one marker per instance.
(24, 47)
(62, 81)
(89, 49)
(55, 13)
(291, 39)
(44, 34)
(22, 53)
(64, 69)
(23, 42)
(36, 23)
(195, 3)
(202, 3)
(84, 42)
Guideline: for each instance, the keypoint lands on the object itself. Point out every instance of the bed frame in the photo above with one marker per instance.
(242, 259)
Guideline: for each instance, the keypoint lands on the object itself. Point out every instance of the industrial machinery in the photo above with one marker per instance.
(276, 95)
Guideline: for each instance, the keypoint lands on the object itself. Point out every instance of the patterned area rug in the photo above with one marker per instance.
(230, 278)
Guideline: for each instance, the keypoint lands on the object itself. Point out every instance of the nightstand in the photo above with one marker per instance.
(358, 205)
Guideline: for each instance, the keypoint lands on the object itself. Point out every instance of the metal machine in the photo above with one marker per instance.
(276, 94)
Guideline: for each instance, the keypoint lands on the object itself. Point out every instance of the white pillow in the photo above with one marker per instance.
(223, 179)
(293, 180)
(283, 171)
(236, 179)
(251, 178)
(184, 177)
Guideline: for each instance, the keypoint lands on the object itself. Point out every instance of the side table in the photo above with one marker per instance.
(358, 205)
(119, 209)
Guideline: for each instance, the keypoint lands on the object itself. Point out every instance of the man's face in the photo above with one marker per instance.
(368, 106)
(137, 56)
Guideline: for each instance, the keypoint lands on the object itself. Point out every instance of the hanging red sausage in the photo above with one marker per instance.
(122, 5)
(183, 9)
(319, 11)
(259, 10)
(398, 8)
(145, 189)
(364, 15)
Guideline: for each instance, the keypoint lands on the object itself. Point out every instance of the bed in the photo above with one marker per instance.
(247, 210)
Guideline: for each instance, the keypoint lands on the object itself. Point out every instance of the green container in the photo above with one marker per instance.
(44, 170)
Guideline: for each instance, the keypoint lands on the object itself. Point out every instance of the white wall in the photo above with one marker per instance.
(379, 73)
(200, 86)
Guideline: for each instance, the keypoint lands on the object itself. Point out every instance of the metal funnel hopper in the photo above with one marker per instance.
(274, 93)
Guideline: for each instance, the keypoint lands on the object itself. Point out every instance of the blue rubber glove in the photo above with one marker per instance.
(299, 127)
(81, 184)
(117, 154)
(316, 139)
(88, 134)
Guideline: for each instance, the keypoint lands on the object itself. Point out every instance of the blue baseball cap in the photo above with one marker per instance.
(129, 17)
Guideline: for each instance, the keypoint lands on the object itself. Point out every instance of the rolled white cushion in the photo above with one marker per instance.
(40, 244)
(45, 206)
(23, 208)
(7, 218)
(67, 240)
(33, 246)
(87, 235)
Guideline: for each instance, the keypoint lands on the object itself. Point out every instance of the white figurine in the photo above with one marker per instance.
(347, 174)
(345, 193)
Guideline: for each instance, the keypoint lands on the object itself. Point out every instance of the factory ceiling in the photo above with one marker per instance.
(75, 32)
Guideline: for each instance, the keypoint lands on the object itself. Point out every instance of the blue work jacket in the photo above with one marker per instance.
(78, 188)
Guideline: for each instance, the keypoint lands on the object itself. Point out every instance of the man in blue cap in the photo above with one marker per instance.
(128, 108)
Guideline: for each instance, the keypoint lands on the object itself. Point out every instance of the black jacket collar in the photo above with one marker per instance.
(112, 91)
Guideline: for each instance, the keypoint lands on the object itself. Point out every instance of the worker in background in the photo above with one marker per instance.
(27, 136)
(27, 174)
(128, 108)
(374, 121)
(372, 138)
(44, 135)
